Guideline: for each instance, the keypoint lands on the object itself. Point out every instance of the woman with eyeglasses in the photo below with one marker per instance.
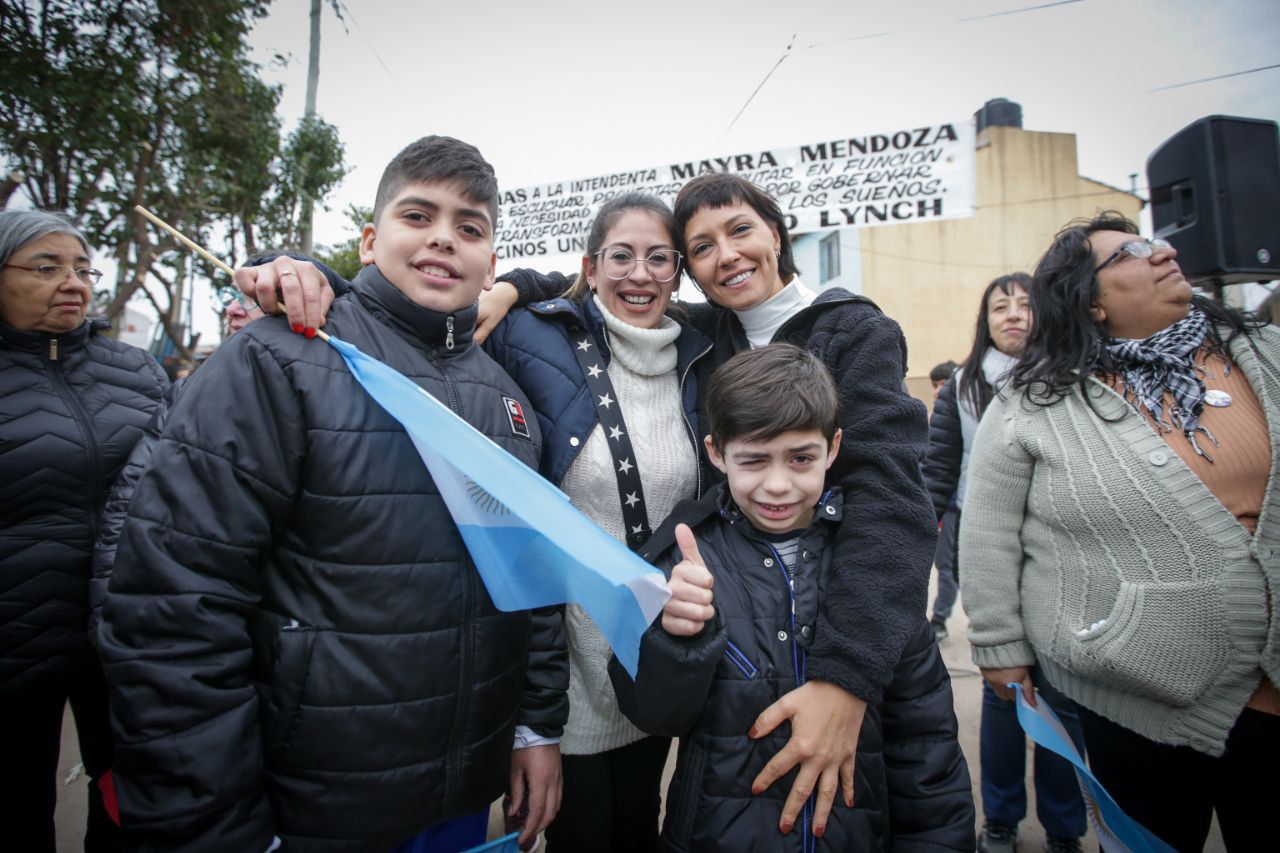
(1120, 532)
(611, 376)
(738, 251)
(72, 403)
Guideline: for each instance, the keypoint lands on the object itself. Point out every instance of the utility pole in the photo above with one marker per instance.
(313, 82)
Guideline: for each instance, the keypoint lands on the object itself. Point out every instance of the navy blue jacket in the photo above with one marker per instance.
(884, 553)
(946, 449)
(533, 346)
(912, 787)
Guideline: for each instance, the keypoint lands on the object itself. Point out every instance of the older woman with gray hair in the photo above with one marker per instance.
(72, 404)
(1121, 534)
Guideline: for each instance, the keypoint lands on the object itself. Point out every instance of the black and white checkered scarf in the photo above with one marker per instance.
(1166, 362)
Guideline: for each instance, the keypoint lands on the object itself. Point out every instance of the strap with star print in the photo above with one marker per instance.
(630, 491)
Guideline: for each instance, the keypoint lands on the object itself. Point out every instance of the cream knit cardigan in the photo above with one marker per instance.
(643, 373)
(1091, 548)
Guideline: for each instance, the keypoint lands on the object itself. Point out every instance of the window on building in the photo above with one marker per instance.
(829, 257)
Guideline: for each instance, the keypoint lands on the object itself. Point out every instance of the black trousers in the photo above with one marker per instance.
(30, 740)
(1174, 790)
(611, 800)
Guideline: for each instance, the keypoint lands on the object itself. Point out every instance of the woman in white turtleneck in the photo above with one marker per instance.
(625, 452)
(736, 248)
(739, 252)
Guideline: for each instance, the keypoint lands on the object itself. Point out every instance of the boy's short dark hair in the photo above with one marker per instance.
(440, 158)
(762, 393)
(942, 372)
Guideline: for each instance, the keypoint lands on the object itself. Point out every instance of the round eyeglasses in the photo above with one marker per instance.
(1141, 249)
(225, 295)
(61, 272)
(618, 263)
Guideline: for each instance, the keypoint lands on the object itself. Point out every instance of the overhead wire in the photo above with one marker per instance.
(1017, 11)
(368, 43)
(1036, 8)
(1211, 79)
(781, 59)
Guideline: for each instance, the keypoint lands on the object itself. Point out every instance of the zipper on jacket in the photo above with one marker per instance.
(796, 651)
(454, 402)
(448, 332)
(86, 429)
(466, 660)
(693, 434)
(466, 652)
(798, 656)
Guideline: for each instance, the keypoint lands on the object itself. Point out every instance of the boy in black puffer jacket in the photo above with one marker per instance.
(747, 566)
(297, 643)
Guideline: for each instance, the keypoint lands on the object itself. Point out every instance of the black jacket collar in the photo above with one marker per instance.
(417, 324)
(28, 341)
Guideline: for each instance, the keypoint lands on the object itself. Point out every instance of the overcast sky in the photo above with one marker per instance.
(557, 90)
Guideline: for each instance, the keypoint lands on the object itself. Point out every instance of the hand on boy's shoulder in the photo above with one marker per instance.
(689, 609)
(296, 288)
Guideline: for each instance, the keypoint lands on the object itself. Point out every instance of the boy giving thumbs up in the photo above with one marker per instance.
(715, 665)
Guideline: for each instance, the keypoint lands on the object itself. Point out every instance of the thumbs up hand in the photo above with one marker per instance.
(689, 607)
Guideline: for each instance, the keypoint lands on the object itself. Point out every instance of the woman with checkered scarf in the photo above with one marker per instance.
(1121, 531)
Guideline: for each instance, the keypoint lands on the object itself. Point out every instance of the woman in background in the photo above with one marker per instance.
(72, 403)
(1004, 320)
(1120, 532)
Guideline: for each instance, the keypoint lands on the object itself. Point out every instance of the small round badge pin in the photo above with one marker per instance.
(1217, 399)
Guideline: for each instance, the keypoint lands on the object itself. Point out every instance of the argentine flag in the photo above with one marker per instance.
(1115, 829)
(531, 546)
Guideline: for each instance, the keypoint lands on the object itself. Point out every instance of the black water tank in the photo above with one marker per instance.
(999, 112)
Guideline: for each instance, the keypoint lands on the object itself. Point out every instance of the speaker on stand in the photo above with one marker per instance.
(1215, 195)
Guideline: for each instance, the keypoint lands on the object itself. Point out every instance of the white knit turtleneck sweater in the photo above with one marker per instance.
(643, 373)
(763, 321)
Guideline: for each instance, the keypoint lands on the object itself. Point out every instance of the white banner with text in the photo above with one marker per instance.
(909, 175)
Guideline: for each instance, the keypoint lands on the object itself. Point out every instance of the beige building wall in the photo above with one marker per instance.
(929, 276)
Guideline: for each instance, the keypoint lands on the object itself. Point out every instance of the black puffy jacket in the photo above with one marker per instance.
(71, 408)
(296, 640)
(946, 449)
(116, 508)
(912, 788)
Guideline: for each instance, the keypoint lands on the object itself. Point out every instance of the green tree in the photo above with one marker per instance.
(109, 104)
(344, 258)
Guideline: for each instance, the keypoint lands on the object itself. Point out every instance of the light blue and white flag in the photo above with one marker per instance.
(1116, 831)
(531, 546)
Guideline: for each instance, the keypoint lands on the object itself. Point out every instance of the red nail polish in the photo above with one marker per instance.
(310, 332)
(818, 830)
(785, 827)
(751, 732)
(297, 328)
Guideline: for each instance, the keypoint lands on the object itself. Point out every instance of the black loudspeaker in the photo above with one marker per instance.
(1215, 195)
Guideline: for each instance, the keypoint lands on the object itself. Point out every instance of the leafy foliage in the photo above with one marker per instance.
(112, 103)
(344, 258)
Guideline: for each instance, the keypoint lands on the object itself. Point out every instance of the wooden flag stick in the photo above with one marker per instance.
(200, 250)
(184, 240)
